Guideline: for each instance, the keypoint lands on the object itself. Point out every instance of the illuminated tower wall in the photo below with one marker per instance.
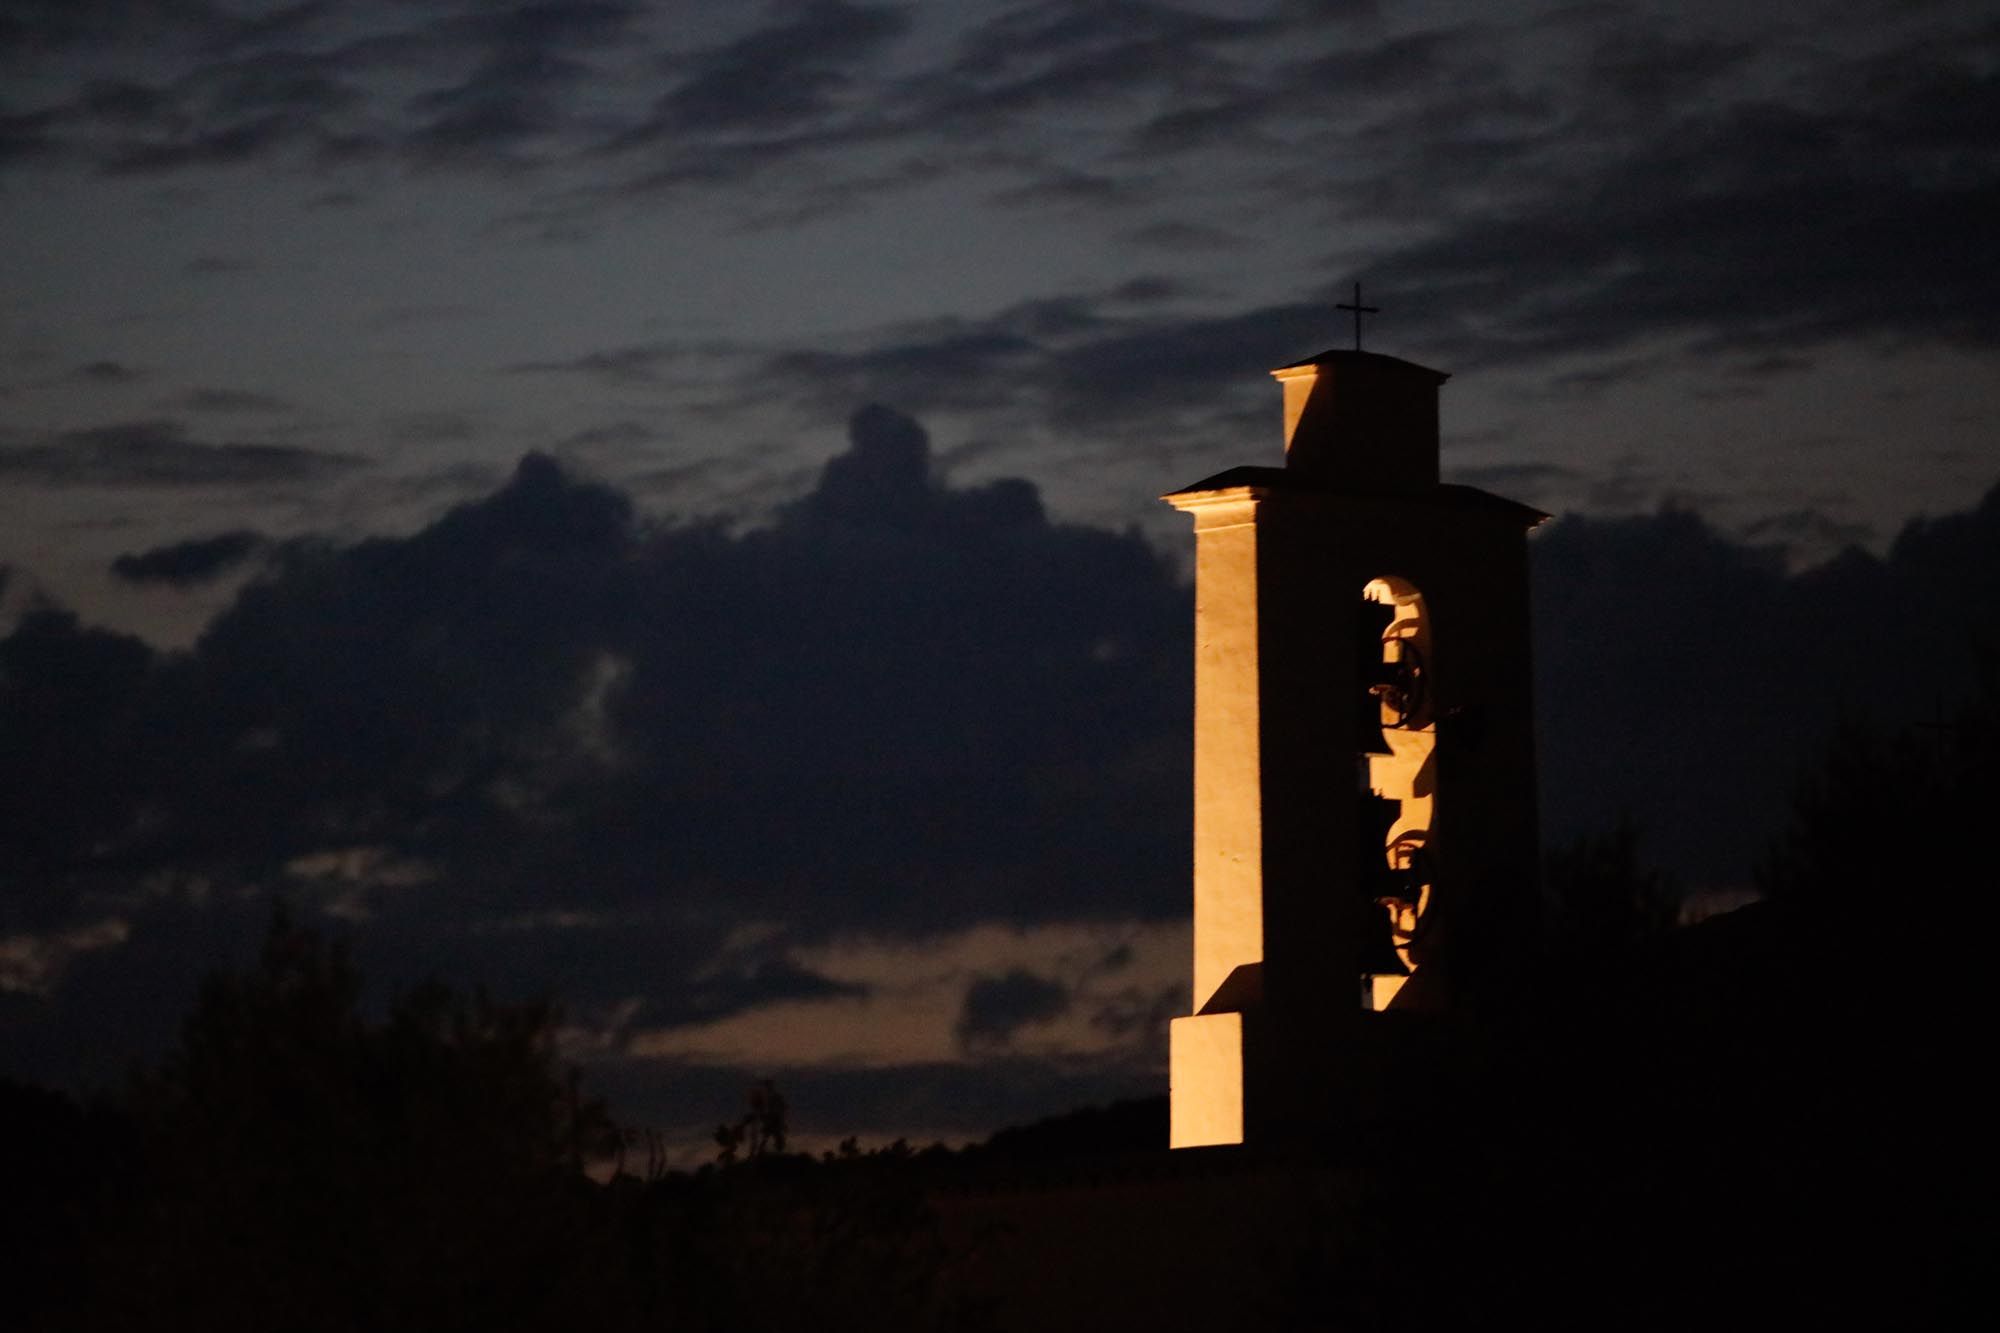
(1365, 817)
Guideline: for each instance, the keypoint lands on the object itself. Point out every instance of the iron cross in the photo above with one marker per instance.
(1359, 310)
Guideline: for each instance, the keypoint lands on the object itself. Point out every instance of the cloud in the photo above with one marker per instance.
(197, 560)
(793, 69)
(518, 86)
(797, 109)
(72, 704)
(956, 366)
(1565, 180)
(223, 145)
(901, 706)
(348, 878)
(1049, 57)
(159, 453)
(889, 1061)
(27, 137)
(493, 84)
(1185, 238)
(1065, 188)
(997, 1007)
(884, 479)
(1794, 209)
(1808, 528)
(612, 435)
(1360, 78)
(984, 993)
(1510, 477)
(422, 313)
(428, 427)
(33, 964)
(1685, 678)
(108, 372)
(897, 781)
(839, 650)
(736, 986)
(231, 400)
(1770, 365)
(36, 28)
(532, 63)
(1530, 176)
(211, 265)
(635, 364)
(1120, 360)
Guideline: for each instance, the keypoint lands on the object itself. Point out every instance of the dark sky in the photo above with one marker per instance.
(435, 484)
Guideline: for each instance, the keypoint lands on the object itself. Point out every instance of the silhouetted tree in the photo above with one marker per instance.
(65, 1167)
(1601, 897)
(769, 1240)
(1894, 823)
(305, 1167)
(760, 1130)
(297, 1164)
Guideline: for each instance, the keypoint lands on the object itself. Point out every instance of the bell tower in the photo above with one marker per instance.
(1365, 819)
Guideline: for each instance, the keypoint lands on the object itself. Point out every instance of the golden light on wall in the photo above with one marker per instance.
(1324, 731)
(1405, 775)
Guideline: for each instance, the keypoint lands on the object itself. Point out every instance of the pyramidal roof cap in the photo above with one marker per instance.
(1348, 356)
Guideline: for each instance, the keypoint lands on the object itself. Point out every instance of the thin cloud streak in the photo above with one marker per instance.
(160, 454)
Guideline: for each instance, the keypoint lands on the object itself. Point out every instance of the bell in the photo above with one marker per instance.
(1398, 685)
(1370, 626)
(1374, 817)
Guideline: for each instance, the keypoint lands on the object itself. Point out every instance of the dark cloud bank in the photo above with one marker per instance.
(549, 746)
(546, 744)
(182, 564)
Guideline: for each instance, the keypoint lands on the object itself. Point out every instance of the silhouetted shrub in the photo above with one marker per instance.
(302, 1167)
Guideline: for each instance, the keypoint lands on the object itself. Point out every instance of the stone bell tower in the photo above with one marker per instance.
(1365, 822)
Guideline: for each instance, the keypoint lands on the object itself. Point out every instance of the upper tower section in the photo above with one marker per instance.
(1361, 421)
(1364, 794)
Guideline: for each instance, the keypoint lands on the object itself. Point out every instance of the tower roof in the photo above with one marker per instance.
(1282, 481)
(1337, 356)
(1362, 420)
(1359, 423)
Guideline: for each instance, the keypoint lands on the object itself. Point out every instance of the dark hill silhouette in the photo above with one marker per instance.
(1135, 1125)
(1772, 1115)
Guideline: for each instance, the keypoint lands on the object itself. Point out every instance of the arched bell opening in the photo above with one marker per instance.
(1395, 751)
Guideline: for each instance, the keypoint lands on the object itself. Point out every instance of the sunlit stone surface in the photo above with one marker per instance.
(1364, 837)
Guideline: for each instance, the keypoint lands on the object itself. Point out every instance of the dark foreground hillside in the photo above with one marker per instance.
(1746, 1118)
(1759, 1116)
(1778, 1114)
